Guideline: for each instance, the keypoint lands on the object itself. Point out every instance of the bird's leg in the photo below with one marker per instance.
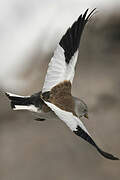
(38, 118)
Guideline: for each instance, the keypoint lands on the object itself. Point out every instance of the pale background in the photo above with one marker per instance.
(29, 32)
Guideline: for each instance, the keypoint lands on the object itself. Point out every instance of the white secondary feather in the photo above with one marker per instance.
(59, 70)
(70, 120)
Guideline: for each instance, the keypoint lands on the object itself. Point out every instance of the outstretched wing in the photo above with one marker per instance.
(76, 125)
(62, 64)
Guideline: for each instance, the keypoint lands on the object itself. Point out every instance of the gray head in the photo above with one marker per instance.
(81, 108)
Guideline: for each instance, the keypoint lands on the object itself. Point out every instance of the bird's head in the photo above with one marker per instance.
(81, 108)
(83, 111)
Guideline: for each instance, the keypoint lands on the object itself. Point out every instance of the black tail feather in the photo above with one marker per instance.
(25, 100)
(16, 100)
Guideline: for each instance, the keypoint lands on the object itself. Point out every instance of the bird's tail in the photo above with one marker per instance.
(21, 102)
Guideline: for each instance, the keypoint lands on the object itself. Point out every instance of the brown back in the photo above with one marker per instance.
(60, 95)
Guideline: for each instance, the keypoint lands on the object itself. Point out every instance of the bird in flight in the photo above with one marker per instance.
(56, 99)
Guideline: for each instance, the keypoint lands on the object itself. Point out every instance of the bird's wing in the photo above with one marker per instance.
(76, 125)
(62, 64)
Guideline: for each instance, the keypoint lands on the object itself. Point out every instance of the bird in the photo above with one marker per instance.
(55, 98)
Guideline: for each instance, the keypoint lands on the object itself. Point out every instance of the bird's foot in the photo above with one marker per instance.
(39, 119)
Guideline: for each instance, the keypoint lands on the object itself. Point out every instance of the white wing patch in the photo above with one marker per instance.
(59, 70)
(70, 120)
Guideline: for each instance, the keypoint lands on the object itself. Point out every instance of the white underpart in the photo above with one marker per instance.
(59, 70)
(70, 120)
(15, 95)
(29, 108)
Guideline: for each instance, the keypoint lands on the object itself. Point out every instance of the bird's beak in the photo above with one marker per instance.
(86, 115)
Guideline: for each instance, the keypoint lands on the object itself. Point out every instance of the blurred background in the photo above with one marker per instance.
(29, 33)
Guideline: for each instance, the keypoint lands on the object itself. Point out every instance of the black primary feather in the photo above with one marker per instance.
(80, 132)
(71, 40)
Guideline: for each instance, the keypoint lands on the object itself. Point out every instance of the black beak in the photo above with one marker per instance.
(86, 115)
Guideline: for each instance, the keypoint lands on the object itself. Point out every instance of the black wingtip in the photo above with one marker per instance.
(107, 155)
(84, 15)
(91, 13)
(71, 40)
(80, 132)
